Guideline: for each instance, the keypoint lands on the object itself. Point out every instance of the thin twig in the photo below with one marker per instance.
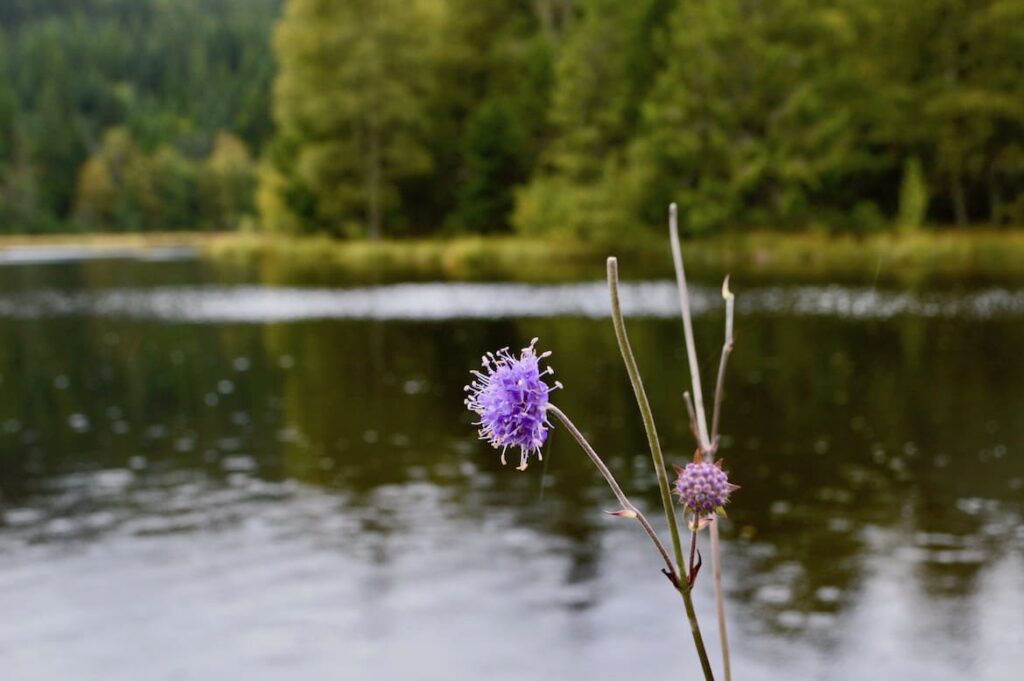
(684, 308)
(645, 409)
(693, 420)
(704, 439)
(693, 548)
(726, 351)
(616, 489)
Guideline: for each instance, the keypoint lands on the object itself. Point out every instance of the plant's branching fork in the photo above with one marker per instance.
(704, 439)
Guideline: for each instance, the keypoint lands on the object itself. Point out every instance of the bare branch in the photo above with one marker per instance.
(726, 351)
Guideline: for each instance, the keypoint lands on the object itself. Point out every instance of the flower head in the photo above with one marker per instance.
(703, 488)
(511, 397)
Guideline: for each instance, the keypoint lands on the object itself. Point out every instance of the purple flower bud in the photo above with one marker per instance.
(703, 488)
(511, 397)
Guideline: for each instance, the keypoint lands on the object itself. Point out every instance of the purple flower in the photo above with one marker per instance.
(703, 488)
(511, 397)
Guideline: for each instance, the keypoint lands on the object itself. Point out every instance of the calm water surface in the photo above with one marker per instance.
(205, 478)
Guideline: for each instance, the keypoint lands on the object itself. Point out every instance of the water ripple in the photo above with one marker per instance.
(440, 301)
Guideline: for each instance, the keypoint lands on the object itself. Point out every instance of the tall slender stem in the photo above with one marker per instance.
(716, 579)
(702, 426)
(645, 408)
(616, 489)
(684, 307)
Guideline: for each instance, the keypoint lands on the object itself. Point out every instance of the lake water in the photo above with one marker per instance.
(202, 477)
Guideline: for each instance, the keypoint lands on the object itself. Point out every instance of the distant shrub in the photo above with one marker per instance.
(866, 217)
(598, 211)
(913, 196)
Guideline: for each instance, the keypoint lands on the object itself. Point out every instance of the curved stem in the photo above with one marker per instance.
(645, 408)
(616, 489)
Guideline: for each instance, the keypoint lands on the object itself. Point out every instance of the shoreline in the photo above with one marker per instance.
(981, 257)
(941, 257)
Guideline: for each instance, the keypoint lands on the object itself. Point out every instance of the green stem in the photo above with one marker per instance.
(698, 640)
(645, 413)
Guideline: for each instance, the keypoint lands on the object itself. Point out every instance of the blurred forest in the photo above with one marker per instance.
(582, 118)
(125, 115)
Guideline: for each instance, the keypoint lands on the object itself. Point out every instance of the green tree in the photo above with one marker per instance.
(19, 196)
(348, 100)
(166, 190)
(749, 122)
(226, 184)
(491, 68)
(108, 185)
(947, 75)
(121, 187)
(913, 196)
(8, 106)
(492, 168)
(602, 75)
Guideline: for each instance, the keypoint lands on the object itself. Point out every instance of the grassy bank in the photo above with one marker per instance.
(926, 257)
(947, 257)
(114, 241)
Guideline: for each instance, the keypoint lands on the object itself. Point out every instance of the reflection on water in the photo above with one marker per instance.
(257, 498)
(45, 255)
(443, 301)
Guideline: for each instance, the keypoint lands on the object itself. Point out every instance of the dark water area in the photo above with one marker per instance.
(206, 478)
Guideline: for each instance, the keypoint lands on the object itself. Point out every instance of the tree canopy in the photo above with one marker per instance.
(366, 118)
